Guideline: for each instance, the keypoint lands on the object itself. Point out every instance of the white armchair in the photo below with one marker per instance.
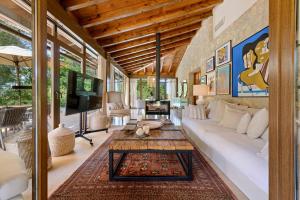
(116, 106)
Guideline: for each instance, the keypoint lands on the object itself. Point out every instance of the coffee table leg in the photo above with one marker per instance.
(111, 165)
(190, 165)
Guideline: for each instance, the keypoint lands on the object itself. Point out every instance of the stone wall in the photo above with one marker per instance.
(203, 47)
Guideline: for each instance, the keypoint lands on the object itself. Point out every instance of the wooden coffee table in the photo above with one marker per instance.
(164, 141)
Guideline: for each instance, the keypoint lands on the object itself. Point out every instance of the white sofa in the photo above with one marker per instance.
(236, 155)
(13, 176)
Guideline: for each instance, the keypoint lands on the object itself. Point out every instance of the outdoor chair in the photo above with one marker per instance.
(10, 117)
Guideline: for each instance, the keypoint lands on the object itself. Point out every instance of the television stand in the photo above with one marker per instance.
(83, 128)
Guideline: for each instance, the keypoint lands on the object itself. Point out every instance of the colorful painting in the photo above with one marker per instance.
(203, 80)
(211, 83)
(250, 66)
(223, 79)
(210, 64)
(223, 54)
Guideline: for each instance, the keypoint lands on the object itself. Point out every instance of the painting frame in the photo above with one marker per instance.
(258, 87)
(223, 79)
(211, 83)
(226, 58)
(203, 80)
(210, 64)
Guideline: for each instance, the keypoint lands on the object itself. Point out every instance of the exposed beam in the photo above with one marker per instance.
(137, 61)
(72, 5)
(151, 51)
(151, 39)
(121, 26)
(57, 11)
(166, 42)
(139, 69)
(137, 64)
(140, 56)
(151, 30)
(151, 74)
(142, 65)
(126, 11)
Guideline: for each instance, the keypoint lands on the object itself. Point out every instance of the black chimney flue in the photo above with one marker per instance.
(157, 71)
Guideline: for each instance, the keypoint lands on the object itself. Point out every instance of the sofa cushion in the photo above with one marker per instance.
(226, 149)
(231, 117)
(265, 135)
(13, 176)
(195, 112)
(264, 153)
(258, 124)
(243, 124)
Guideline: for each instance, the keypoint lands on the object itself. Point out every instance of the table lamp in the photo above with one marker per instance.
(200, 91)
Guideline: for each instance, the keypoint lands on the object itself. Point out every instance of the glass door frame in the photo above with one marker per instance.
(282, 17)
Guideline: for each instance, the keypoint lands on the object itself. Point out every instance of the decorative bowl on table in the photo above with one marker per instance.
(151, 124)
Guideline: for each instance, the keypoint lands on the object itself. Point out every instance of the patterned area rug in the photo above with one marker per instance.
(150, 164)
(90, 180)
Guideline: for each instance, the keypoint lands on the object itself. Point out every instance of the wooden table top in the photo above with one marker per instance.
(159, 139)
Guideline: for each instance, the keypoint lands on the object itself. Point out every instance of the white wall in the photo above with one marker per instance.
(228, 12)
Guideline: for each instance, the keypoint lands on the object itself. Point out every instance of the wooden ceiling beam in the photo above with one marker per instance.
(152, 39)
(176, 39)
(58, 12)
(126, 11)
(152, 30)
(72, 5)
(124, 25)
(139, 56)
(137, 62)
(142, 75)
(137, 59)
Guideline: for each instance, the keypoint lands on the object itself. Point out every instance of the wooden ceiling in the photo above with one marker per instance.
(126, 29)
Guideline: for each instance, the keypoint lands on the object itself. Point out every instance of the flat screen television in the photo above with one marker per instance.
(84, 93)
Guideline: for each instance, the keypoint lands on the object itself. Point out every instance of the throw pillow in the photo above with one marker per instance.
(231, 117)
(264, 153)
(243, 124)
(265, 135)
(212, 109)
(201, 111)
(258, 124)
(220, 110)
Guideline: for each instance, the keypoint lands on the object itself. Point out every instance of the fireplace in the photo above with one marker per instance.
(157, 107)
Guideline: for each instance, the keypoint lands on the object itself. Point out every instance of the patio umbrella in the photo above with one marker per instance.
(16, 56)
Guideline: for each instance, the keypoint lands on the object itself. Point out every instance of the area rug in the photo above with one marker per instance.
(90, 180)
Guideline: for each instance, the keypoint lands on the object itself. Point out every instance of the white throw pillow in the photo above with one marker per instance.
(196, 112)
(264, 153)
(252, 111)
(265, 135)
(258, 124)
(231, 117)
(219, 112)
(212, 107)
(201, 112)
(243, 124)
